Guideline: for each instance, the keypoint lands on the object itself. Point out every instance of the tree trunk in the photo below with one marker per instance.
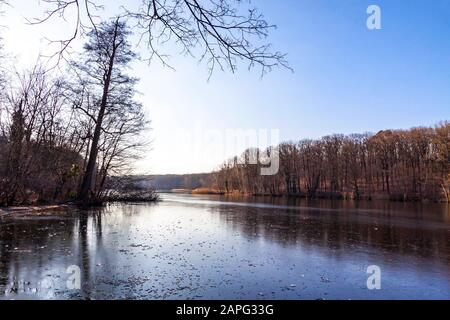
(86, 192)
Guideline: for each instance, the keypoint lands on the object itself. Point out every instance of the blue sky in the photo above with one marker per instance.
(347, 79)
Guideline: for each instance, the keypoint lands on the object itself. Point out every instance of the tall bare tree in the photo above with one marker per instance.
(107, 99)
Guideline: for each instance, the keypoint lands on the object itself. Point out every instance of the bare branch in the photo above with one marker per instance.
(220, 32)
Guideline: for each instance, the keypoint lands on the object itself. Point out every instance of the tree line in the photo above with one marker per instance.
(61, 137)
(392, 164)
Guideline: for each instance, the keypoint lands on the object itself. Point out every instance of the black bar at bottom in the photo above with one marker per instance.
(223, 309)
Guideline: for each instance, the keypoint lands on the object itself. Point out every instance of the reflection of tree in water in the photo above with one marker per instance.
(131, 210)
(28, 245)
(433, 211)
(389, 227)
(51, 244)
(84, 251)
(90, 233)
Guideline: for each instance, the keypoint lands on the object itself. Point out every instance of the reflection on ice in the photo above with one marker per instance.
(192, 247)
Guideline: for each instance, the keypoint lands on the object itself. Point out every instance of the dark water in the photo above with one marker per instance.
(212, 247)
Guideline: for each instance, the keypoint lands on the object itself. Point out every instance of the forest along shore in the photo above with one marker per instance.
(399, 165)
(404, 165)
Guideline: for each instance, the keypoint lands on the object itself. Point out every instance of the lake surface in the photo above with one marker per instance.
(218, 247)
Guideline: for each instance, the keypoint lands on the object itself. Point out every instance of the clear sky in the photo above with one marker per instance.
(347, 79)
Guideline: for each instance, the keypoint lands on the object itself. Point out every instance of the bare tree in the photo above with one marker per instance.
(120, 142)
(220, 32)
(36, 158)
(105, 96)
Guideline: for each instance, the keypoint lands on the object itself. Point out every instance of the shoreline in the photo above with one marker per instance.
(346, 196)
(34, 210)
(38, 210)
